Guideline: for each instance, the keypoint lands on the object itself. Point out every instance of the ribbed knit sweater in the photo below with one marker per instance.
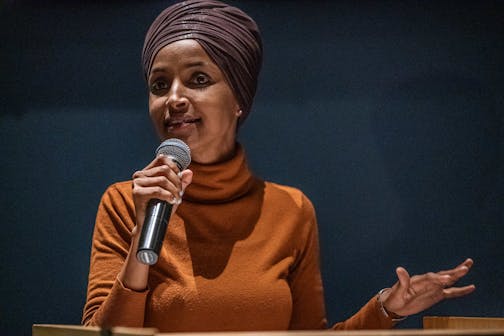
(240, 254)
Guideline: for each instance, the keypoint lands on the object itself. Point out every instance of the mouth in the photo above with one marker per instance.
(180, 123)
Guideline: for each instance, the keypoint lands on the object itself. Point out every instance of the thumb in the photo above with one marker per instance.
(404, 279)
(186, 178)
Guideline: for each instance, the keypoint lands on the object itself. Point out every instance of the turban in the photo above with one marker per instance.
(229, 36)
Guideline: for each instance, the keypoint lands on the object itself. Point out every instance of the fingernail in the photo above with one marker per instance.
(179, 174)
(173, 200)
(181, 193)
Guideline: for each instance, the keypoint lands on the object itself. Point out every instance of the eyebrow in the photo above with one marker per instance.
(195, 64)
(188, 65)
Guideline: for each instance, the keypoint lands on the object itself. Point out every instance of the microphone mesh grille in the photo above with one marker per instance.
(177, 150)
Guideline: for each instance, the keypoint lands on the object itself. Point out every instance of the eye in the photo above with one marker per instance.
(201, 79)
(158, 86)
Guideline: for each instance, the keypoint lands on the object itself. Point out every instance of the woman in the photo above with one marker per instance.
(239, 253)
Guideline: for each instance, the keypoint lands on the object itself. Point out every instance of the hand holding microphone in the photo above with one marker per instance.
(155, 189)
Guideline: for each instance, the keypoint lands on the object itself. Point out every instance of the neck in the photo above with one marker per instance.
(209, 156)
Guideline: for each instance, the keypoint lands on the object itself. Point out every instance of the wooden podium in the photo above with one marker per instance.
(433, 326)
(77, 330)
(459, 322)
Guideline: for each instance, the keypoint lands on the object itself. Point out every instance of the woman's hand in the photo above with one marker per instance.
(162, 180)
(411, 295)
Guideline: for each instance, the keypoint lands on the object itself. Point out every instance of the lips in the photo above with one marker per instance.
(175, 123)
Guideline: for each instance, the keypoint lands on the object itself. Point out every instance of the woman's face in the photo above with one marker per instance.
(190, 99)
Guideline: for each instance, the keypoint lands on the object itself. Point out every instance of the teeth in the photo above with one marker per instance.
(175, 123)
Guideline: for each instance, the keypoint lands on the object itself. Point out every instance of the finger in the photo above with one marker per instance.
(164, 175)
(156, 181)
(454, 292)
(145, 184)
(455, 274)
(161, 160)
(157, 175)
(155, 192)
(428, 283)
(163, 171)
(404, 280)
(467, 264)
(160, 168)
(167, 160)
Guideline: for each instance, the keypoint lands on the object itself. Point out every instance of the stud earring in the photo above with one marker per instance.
(239, 113)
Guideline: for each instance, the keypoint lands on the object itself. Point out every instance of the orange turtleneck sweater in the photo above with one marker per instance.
(239, 254)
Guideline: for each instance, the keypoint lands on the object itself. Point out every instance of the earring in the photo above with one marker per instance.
(239, 113)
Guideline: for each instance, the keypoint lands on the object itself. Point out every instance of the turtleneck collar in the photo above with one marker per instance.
(220, 182)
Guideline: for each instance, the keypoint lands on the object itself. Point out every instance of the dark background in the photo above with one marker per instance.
(387, 114)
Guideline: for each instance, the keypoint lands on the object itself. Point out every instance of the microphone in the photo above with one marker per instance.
(158, 211)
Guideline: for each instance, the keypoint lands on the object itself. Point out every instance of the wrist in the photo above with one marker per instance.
(134, 274)
(391, 315)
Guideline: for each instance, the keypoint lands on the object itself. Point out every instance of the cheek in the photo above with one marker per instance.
(229, 107)
(226, 121)
(155, 107)
(156, 114)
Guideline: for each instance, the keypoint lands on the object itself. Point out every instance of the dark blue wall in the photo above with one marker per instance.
(388, 114)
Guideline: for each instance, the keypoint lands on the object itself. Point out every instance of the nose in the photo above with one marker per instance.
(176, 100)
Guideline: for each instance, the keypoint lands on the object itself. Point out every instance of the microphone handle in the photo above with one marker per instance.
(153, 231)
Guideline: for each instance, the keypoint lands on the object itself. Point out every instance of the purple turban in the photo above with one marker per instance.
(229, 36)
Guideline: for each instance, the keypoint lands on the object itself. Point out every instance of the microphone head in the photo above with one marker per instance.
(177, 150)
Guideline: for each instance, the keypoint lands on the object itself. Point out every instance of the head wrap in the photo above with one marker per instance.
(229, 36)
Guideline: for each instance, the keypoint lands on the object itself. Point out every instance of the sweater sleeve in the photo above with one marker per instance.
(308, 310)
(108, 302)
(368, 317)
